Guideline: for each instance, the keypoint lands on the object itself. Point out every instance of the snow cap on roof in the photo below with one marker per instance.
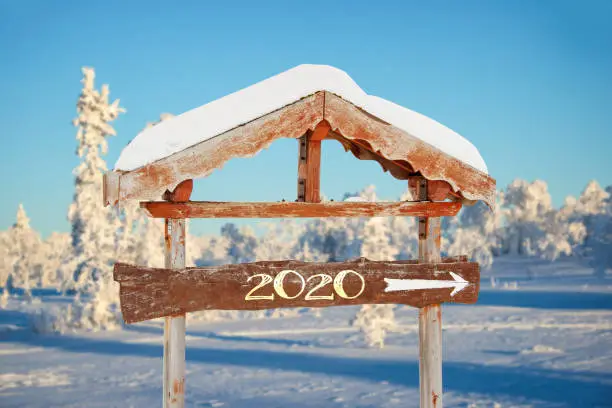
(238, 108)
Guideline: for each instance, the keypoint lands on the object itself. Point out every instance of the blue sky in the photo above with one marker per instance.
(528, 82)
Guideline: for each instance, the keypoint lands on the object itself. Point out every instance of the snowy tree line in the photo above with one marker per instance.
(524, 222)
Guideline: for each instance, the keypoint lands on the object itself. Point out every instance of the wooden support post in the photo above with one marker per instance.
(174, 326)
(309, 163)
(302, 161)
(430, 317)
(313, 172)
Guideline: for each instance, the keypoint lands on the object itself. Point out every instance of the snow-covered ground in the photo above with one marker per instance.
(541, 336)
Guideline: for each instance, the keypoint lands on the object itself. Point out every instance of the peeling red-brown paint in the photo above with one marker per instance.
(328, 116)
(148, 293)
(178, 386)
(167, 237)
(207, 209)
(181, 193)
(434, 398)
(292, 121)
(395, 144)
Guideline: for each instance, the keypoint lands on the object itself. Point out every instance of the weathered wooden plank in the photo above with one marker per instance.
(430, 356)
(313, 171)
(212, 209)
(302, 169)
(394, 144)
(309, 164)
(148, 293)
(174, 324)
(149, 182)
(365, 135)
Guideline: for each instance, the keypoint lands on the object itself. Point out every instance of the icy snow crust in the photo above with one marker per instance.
(221, 115)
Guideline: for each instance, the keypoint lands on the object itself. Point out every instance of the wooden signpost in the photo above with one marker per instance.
(439, 182)
(148, 293)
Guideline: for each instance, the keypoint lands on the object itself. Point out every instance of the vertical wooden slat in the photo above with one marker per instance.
(313, 173)
(174, 327)
(309, 164)
(430, 317)
(302, 160)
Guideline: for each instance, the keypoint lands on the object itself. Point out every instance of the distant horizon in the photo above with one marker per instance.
(526, 82)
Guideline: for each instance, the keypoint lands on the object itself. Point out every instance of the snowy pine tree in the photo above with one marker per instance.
(476, 233)
(213, 250)
(590, 207)
(56, 250)
(403, 233)
(594, 209)
(525, 206)
(564, 232)
(374, 321)
(602, 243)
(279, 241)
(24, 246)
(6, 264)
(242, 243)
(94, 227)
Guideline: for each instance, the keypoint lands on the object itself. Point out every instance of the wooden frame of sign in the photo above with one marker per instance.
(440, 184)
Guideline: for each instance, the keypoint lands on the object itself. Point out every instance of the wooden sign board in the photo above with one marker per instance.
(148, 293)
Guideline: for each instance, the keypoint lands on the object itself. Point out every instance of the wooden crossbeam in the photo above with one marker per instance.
(148, 293)
(212, 209)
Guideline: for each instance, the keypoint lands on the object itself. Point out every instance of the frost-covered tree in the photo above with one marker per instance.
(374, 321)
(149, 244)
(305, 253)
(534, 227)
(24, 253)
(591, 208)
(213, 250)
(602, 244)
(94, 226)
(376, 243)
(403, 233)
(242, 243)
(339, 238)
(476, 234)
(6, 263)
(525, 206)
(55, 251)
(593, 199)
(564, 232)
(279, 241)
(594, 209)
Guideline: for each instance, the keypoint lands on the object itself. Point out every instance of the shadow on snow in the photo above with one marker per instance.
(530, 383)
(545, 299)
(216, 336)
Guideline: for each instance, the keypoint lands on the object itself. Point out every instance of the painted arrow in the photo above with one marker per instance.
(458, 283)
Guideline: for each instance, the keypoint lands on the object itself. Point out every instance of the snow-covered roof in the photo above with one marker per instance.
(221, 115)
(289, 105)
